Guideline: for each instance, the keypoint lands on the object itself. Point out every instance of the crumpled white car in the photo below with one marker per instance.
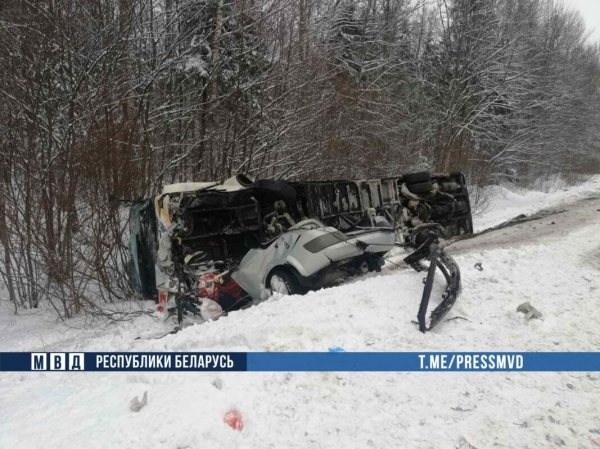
(311, 255)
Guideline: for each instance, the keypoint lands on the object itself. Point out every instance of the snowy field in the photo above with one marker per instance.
(558, 272)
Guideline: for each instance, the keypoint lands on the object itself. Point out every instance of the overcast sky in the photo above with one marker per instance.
(590, 9)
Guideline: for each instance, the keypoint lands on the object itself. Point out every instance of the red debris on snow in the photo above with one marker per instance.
(233, 419)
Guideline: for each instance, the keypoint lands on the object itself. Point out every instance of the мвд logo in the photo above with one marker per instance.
(57, 361)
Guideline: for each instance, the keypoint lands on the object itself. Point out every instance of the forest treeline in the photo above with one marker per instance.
(104, 101)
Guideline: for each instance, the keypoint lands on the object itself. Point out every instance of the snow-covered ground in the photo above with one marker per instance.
(559, 273)
(506, 202)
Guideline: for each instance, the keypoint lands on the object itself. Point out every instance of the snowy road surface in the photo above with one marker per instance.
(554, 266)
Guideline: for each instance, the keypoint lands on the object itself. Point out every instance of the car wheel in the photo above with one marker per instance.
(374, 265)
(363, 267)
(284, 283)
(422, 187)
(269, 189)
(415, 178)
(367, 265)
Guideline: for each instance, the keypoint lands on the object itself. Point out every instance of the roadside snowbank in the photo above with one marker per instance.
(506, 202)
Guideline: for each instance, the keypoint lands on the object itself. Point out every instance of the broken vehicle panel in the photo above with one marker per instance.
(314, 254)
(433, 251)
(441, 199)
(289, 237)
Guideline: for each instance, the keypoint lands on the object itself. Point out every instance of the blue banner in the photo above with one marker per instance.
(122, 361)
(301, 361)
(419, 361)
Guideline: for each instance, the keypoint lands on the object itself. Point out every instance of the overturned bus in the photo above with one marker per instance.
(203, 249)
